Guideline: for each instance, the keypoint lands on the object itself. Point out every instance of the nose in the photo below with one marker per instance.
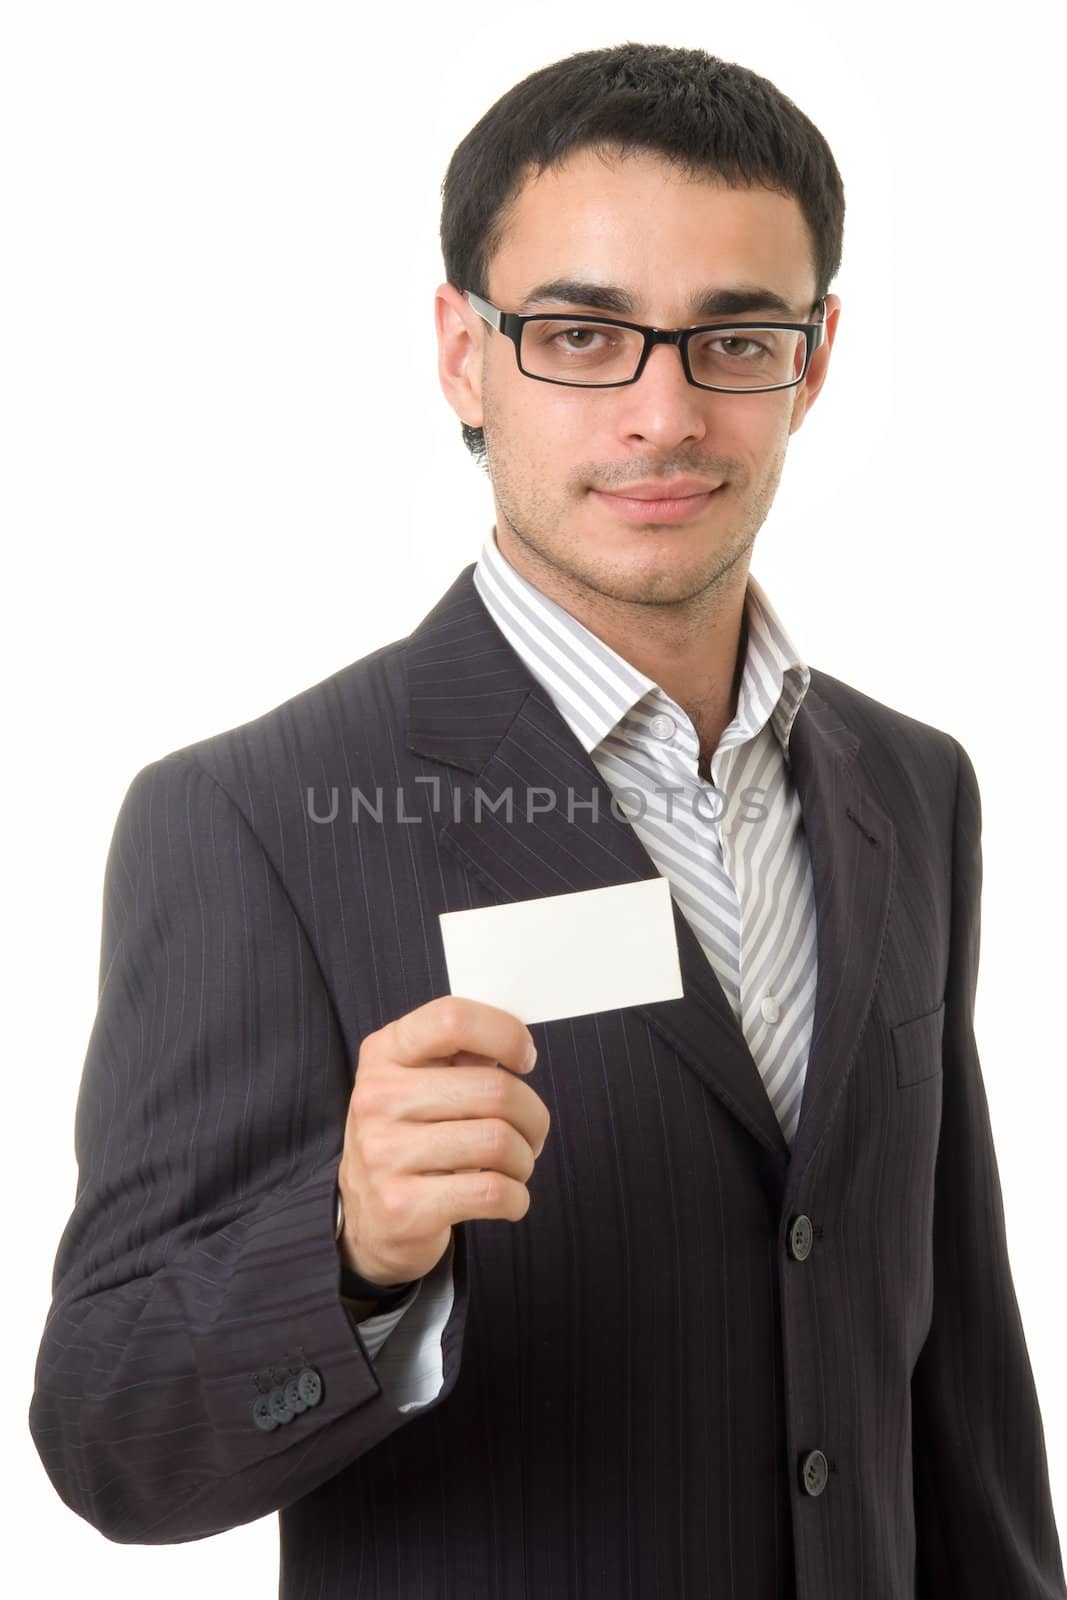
(662, 404)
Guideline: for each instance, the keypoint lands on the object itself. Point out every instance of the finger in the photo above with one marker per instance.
(479, 1144)
(455, 1093)
(451, 1023)
(456, 1196)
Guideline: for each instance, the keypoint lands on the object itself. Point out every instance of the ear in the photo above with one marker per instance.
(814, 378)
(460, 342)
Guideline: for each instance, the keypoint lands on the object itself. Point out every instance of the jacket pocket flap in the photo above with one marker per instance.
(917, 1046)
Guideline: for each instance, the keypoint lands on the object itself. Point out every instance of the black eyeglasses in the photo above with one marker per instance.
(543, 349)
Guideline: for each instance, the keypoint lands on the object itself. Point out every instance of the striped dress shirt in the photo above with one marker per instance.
(733, 850)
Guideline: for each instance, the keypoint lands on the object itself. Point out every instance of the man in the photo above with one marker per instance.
(751, 1329)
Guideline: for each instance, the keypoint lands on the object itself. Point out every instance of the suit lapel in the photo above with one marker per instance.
(522, 819)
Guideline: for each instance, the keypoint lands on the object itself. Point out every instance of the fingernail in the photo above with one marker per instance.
(531, 1057)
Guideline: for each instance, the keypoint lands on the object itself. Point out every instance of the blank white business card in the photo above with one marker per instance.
(564, 955)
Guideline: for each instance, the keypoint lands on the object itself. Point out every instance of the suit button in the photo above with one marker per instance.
(801, 1235)
(261, 1414)
(292, 1397)
(813, 1472)
(278, 1408)
(309, 1386)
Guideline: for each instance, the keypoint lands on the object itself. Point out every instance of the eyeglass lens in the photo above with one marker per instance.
(596, 352)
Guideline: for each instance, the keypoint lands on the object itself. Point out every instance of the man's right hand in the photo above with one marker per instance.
(440, 1129)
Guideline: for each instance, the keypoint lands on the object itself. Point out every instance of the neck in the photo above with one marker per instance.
(694, 650)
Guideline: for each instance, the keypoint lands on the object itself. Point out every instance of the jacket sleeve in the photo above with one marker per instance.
(984, 1520)
(198, 1271)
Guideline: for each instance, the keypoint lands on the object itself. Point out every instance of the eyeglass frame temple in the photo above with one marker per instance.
(511, 323)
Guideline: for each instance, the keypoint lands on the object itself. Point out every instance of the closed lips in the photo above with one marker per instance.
(682, 489)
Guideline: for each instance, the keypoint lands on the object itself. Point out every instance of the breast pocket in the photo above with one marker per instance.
(917, 1046)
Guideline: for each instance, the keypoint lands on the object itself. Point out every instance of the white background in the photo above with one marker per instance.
(229, 469)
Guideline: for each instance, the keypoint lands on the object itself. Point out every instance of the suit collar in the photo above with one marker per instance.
(474, 705)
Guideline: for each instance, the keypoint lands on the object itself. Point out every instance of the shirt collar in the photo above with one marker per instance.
(594, 688)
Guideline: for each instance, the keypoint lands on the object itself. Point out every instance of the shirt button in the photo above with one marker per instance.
(770, 1008)
(662, 725)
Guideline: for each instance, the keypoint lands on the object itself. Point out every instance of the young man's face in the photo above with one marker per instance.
(637, 225)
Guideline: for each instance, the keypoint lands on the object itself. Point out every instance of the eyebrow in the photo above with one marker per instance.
(608, 297)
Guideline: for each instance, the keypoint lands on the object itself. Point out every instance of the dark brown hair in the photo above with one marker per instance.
(704, 115)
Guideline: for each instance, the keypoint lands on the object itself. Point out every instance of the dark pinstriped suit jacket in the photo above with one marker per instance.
(635, 1373)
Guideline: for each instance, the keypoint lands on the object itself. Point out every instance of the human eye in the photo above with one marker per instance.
(581, 337)
(736, 340)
